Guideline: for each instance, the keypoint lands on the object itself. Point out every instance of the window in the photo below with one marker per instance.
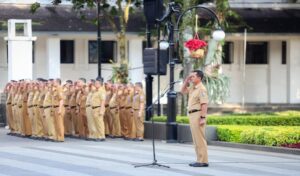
(257, 53)
(67, 51)
(33, 48)
(227, 53)
(283, 52)
(108, 52)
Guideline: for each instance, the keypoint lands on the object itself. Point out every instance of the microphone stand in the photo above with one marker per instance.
(148, 110)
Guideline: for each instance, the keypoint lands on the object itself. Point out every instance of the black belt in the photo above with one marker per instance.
(45, 107)
(8, 103)
(106, 106)
(128, 107)
(94, 107)
(30, 106)
(20, 106)
(194, 110)
(55, 106)
(136, 109)
(88, 106)
(72, 107)
(121, 107)
(41, 106)
(66, 105)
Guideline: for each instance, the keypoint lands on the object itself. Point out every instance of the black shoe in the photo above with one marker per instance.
(139, 139)
(196, 164)
(100, 140)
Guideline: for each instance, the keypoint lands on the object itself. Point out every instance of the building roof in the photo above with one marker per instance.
(64, 18)
(271, 20)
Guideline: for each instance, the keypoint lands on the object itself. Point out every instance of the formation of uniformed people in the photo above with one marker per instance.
(46, 110)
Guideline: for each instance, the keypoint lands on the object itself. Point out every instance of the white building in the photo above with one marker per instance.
(65, 47)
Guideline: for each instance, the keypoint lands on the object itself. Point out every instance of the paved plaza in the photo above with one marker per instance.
(116, 157)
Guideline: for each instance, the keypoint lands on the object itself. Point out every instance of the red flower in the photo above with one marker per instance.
(195, 44)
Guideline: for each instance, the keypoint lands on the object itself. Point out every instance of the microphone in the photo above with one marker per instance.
(175, 82)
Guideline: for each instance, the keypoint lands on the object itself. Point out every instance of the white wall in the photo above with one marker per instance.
(3, 64)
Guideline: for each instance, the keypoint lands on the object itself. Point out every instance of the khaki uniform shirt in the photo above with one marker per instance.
(35, 100)
(97, 97)
(48, 98)
(57, 96)
(72, 101)
(88, 99)
(197, 96)
(138, 99)
(113, 102)
(30, 99)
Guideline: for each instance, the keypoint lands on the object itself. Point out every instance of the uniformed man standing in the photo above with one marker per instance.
(59, 110)
(114, 109)
(98, 109)
(30, 110)
(43, 90)
(49, 111)
(68, 117)
(129, 113)
(89, 112)
(36, 111)
(107, 115)
(197, 109)
(9, 111)
(138, 106)
(27, 128)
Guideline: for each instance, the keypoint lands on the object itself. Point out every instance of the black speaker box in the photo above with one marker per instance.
(150, 61)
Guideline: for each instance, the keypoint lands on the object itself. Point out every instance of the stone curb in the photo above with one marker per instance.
(256, 147)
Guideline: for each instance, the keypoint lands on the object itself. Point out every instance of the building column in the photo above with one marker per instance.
(293, 71)
(136, 74)
(277, 74)
(53, 57)
(19, 50)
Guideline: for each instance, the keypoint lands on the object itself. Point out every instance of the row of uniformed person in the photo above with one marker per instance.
(44, 109)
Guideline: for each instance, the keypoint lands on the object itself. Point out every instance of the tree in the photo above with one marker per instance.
(116, 13)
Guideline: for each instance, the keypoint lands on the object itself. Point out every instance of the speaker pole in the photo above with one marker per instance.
(149, 78)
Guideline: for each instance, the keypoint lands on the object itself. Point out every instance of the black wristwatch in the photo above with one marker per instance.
(202, 117)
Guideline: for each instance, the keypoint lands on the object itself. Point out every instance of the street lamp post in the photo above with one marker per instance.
(173, 8)
(99, 37)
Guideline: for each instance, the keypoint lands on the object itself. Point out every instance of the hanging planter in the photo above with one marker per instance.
(196, 47)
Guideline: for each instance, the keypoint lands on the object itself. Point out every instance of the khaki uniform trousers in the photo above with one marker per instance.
(16, 118)
(83, 124)
(131, 132)
(10, 118)
(198, 135)
(74, 121)
(90, 122)
(116, 127)
(44, 121)
(39, 130)
(59, 124)
(68, 124)
(108, 121)
(49, 115)
(123, 122)
(32, 120)
(139, 122)
(27, 129)
(99, 123)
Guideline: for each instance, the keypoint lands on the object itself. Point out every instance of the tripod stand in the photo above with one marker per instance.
(148, 110)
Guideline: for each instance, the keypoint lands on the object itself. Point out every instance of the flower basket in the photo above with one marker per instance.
(197, 54)
(196, 47)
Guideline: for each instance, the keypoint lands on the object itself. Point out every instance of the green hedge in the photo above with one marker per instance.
(261, 135)
(286, 118)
